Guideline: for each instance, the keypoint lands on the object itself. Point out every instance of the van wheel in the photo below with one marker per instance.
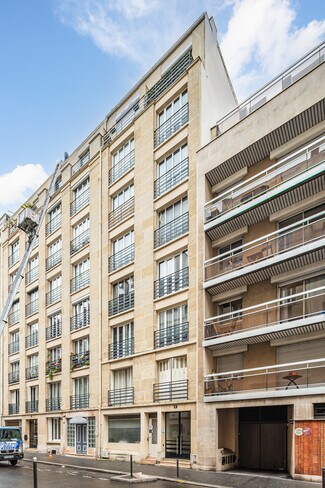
(14, 462)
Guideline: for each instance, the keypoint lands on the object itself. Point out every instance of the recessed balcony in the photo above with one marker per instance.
(294, 246)
(170, 391)
(279, 380)
(121, 396)
(291, 179)
(121, 258)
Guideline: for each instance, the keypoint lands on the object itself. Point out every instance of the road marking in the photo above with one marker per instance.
(104, 479)
(86, 476)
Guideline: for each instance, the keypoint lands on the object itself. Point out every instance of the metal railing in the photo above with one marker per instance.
(53, 260)
(80, 202)
(171, 283)
(291, 237)
(171, 178)
(13, 347)
(78, 402)
(13, 258)
(121, 258)
(53, 295)
(273, 88)
(80, 320)
(170, 231)
(171, 335)
(53, 404)
(53, 331)
(122, 396)
(173, 390)
(53, 366)
(80, 163)
(53, 224)
(31, 340)
(31, 275)
(13, 377)
(13, 408)
(31, 372)
(121, 349)
(80, 241)
(281, 311)
(32, 307)
(79, 360)
(121, 303)
(31, 406)
(120, 168)
(13, 317)
(299, 376)
(80, 281)
(121, 213)
(171, 125)
(285, 169)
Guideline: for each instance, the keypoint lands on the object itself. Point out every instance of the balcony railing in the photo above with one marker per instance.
(80, 320)
(53, 366)
(283, 311)
(122, 396)
(13, 408)
(171, 283)
(54, 331)
(121, 349)
(13, 377)
(171, 230)
(121, 213)
(13, 347)
(80, 202)
(31, 406)
(121, 304)
(172, 125)
(121, 258)
(171, 178)
(31, 340)
(273, 88)
(79, 360)
(80, 241)
(78, 402)
(13, 317)
(31, 275)
(53, 260)
(80, 163)
(13, 258)
(53, 224)
(279, 380)
(31, 372)
(174, 390)
(32, 307)
(53, 404)
(287, 239)
(171, 335)
(80, 281)
(263, 183)
(122, 167)
(54, 295)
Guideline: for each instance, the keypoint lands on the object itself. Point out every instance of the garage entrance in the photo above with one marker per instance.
(263, 438)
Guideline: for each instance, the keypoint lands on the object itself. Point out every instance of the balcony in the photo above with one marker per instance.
(171, 178)
(276, 86)
(291, 179)
(31, 275)
(53, 260)
(171, 230)
(13, 408)
(80, 320)
(79, 360)
(53, 295)
(32, 372)
(80, 163)
(53, 331)
(53, 404)
(171, 283)
(121, 168)
(171, 126)
(80, 241)
(80, 281)
(13, 377)
(279, 380)
(78, 402)
(53, 366)
(80, 202)
(32, 307)
(13, 347)
(121, 304)
(31, 340)
(289, 248)
(121, 349)
(293, 315)
(53, 224)
(171, 335)
(121, 213)
(122, 396)
(13, 258)
(31, 407)
(121, 258)
(171, 391)
(13, 317)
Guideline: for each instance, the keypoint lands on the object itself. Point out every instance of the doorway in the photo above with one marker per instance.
(33, 434)
(178, 435)
(153, 435)
(81, 438)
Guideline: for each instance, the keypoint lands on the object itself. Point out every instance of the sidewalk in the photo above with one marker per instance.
(166, 473)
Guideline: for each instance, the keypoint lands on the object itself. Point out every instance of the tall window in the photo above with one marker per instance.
(81, 387)
(122, 161)
(172, 108)
(54, 429)
(123, 287)
(81, 345)
(173, 264)
(173, 211)
(82, 267)
(82, 227)
(81, 316)
(124, 241)
(55, 248)
(13, 253)
(122, 341)
(54, 219)
(172, 170)
(32, 270)
(122, 378)
(81, 196)
(54, 327)
(173, 369)
(123, 196)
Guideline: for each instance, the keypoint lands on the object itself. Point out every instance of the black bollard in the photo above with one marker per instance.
(35, 471)
(323, 477)
(177, 468)
(131, 467)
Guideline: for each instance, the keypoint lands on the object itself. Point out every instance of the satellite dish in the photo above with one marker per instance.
(66, 155)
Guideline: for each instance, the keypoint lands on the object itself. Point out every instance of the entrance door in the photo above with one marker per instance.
(178, 435)
(153, 435)
(81, 438)
(33, 433)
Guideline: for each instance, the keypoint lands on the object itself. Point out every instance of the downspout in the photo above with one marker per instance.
(100, 308)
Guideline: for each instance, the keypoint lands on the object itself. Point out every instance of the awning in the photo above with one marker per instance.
(77, 420)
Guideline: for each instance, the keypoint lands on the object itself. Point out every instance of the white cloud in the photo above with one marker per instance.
(17, 186)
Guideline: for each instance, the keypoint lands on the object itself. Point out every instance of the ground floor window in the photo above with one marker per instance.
(71, 435)
(91, 432)
(54, 429)
(124, 429)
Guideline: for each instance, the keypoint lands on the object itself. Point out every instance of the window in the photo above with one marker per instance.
(32, 335)
(54, 254)
(82, 267)
(54, 429)
(172, 170)
(172, 160)
(123, 344)
(80, 197)
(81, 314)
(124, 429)
(13, 316)
(170, 213)
(319, 410)
(71, 434)
(32, 302)
(54, 390)
(123, 152)
(81, 228)
(122, 161)
(173, 369)
(173, 264)
(54, 354)
(123, 196)
(14, 342)
(54, 328)
(15, 398)
(173, 326)
(81, 275)
(123, 242)
(123, 296)
(81, 345)
(33, 295)
(122, 251)
(54, 293)
(122, 378)
(172, 274)
(123, 287)
(13, 253)
(81, 392)
(172, 108)
(32, 270)
(172, 222)
(91, 432)
(54, 219)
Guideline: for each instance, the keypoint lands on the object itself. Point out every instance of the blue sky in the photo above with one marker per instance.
(66, 63)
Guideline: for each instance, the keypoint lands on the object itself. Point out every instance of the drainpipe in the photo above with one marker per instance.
(100, 306)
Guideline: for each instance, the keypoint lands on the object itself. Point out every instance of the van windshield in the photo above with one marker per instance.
(10, 435)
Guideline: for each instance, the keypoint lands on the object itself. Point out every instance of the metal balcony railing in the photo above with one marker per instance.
(57, 185)
(80, 202)
(280, 173)
(31, 275)
(13, 317)
(31, 406)
(31, 372)
(79, 360)
(53, 331)
(53, 224)
(172, 125)
(80, 320)
(53, 404)
(31, 340)
(80, 241)
(53, 260)
(54, 295)
(80, 163)
(171, 178)
(121, 304)
(122, 396)
(173, 390)
(32, 307)
(13, 258)
(122, 167)
(78, 402)
(171, 230)
(171, 335)
(13, 408)
(13, 347)
(267, 381)
(80, 281)
(291, 237)
(53, 366)
(13, 377)
(121, 349)
(121, 258)
(171, 283)
(310, 61)
(121, 213)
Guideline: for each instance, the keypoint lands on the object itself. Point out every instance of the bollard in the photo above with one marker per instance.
(35, 471)
(131, 467)
(323, 477)
(177, 468)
